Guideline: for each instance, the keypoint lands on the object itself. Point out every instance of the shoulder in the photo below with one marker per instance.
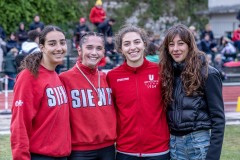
(212, 70)
(67, 74)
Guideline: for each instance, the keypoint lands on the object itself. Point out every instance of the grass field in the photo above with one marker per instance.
(230, 151)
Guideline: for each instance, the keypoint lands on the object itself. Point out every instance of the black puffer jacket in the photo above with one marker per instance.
(191, 113)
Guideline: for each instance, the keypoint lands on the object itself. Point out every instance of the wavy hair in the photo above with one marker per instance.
(129, 28)
(192, 75)
(32, 61)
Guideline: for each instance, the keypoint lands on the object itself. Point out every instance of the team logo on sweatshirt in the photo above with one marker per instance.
(151, 83)
(18, 103)
(87, 97)
(56, 96)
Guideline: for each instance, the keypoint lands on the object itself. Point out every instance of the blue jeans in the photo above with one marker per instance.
(193, 146)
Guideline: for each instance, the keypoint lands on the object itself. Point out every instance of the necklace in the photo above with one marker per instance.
(99, 101)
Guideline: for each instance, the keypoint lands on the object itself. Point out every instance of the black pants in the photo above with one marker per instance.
(107, 153)
(42, 157)
(121, 156)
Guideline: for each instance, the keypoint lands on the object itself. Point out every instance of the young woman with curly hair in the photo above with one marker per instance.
(192, 92)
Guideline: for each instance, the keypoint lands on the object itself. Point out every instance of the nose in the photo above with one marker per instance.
(94, 51)
(175, 47)
(58, 47)
(132, 46)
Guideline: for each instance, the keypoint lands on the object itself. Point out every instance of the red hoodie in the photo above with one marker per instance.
(97, 15)
(142, 126)
(236, 35)
(93, 126)
(40, 116)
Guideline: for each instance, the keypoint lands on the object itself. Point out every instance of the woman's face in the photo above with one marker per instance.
(133, 49)
(92, 51)
(178, 49)
(54, 49)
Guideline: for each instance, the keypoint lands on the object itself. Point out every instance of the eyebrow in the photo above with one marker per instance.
(56, 40)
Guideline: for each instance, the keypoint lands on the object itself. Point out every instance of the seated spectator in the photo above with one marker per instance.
(12, 42)
(31, 45)
(80, 29)
(21, 34)
(28, 47)
(106, 27)
(207, 46)
(111, 52)
(236, 38)
(227, 49)
(151, 54)
(218, 64)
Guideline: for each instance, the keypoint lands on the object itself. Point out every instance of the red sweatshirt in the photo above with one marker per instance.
(236, 35)
(40, 116)
(92, 126)
(97, 15)
(142, 126)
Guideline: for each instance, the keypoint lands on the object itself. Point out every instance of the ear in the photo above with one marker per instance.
(79, 49)
(41, 48)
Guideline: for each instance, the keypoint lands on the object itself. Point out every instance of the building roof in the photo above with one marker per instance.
(220, 10)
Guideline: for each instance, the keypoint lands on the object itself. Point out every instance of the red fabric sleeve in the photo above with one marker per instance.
(22, 115)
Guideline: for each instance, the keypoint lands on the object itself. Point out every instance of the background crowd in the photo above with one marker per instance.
(219, 51)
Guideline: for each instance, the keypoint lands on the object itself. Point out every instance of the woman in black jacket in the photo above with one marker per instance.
(192, 93)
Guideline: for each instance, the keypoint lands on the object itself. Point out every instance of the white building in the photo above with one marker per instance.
(222, 16)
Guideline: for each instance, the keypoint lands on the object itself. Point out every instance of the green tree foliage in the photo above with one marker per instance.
(66, 13)
(58, 12)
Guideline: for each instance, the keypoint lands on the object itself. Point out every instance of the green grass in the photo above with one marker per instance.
(230, 151)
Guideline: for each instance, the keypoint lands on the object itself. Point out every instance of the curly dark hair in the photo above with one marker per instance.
(192, 75)
(32, 61)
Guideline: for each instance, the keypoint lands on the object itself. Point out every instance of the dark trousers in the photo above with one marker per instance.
(42, 157)
(121, 156)
(107, 153)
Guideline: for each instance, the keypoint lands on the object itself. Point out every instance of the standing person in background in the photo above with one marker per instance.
(142, 130)
(207, 30)
(21, 34)
(192, 93)
(236, 38)
(36, 24)
(92, 114)
(2, 33)
(9, 67)
(40, 128)
(80, 29)
(97, 13)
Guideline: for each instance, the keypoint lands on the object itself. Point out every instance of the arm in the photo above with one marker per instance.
(213, 92)
(23, 112)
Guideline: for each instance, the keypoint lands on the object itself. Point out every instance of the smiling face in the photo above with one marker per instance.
(54, 49)
(133, 49)
(92, 51)
(178, 49)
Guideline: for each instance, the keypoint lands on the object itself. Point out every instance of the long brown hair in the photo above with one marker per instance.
(192, 75)
(32, 61)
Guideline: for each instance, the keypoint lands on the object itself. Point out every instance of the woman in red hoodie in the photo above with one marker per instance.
(40, 127)
(97, 13)
(92, 114)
